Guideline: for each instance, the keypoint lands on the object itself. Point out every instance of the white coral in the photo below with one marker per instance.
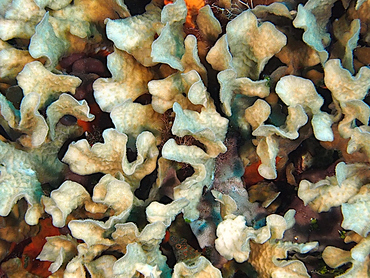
(260, 247)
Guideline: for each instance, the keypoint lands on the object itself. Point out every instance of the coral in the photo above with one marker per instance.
(19, 179)
(135, 34)
(260, 247)
(45, 33)
(348, 35)
(192, 187)
(199, 268)
(249, 57)
(111, 158)
(173, 138)
(109, 92)
(334, 190)
(134, 261)
(313, 17)
(358, 256)
(289, 90)
(165, 213)
(231, 84)
(35, 78)
(356, 212)
(12, 66)
(168, 48)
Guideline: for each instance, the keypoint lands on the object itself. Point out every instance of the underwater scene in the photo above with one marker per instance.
(185, 138)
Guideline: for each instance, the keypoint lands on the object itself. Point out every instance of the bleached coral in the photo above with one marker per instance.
(108, 193)
(169, 47)
(36, 78)
(27, 120)
(12, 60)
(135, 34)
(350, 91)
(110, 157)
(356, 212)
(134, 261)
(248, 45)
(19, 180)
(294, 91)
(165, 213)
(198, 269)
(313, 17)
(358, 256)
(335, 190)
(260, 247)
(129, 80)
(169, 123)
(25, 170)
(192, 187)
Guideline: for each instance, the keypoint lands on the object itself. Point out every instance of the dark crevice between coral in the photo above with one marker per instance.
(328, 99)
(18, 43)
(138, 216)
(144, 99)
(318, 269)
(108, 252)
(286, 196)
(5, 134)
(95, 135)
(14, 94)
(68, 120)
(87, 181)
(185, 171)
(46, 189)
(146, 185)
(88, 275)
(359, 123)
(62, 151)
(131, 154)
(180, 233)
(165, 200)
(312, 161)
(136, 7)
(238, 270)
(278, 115)
(270, 67)
(17, 251)
(337, 11)
(213, 88)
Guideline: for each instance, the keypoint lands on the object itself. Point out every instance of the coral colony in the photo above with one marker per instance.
(185, 138)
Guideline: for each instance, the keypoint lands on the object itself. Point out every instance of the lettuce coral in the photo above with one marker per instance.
(290, 90)
(29, 122)
(260, 247)
(134, 261)
(313, 17)
(192, 187)
(24, 171)
(55, 47)
(135, 34)
(144, 132)
(358, 256)
(129, 80)
(13, 60)
(249, 57)
(110, 157)
(19, 180)
(334, 190)
(36, 78)
(169, 47)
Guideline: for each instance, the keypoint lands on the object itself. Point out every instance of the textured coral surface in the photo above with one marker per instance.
(184, 138)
